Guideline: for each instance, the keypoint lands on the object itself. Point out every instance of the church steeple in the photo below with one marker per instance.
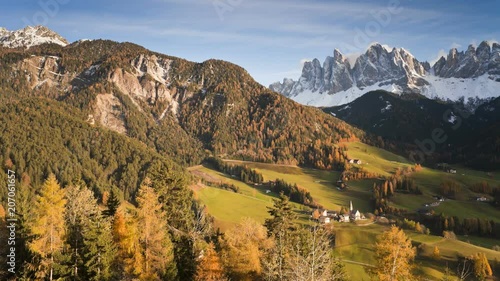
(350, 206)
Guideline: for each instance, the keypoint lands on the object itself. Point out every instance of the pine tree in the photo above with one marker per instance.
(154, 240)
(47, 227)
(210, 267)
(112, 204)
(177, 202)
(282, 217)
(81, 208)
(100, 249)
(279, 227)
(394, 254)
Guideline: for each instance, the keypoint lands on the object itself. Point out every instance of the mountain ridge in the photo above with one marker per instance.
(212, 107)
(471, 74)
(29, 37)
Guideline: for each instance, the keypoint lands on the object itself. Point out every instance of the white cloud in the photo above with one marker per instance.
(441, 53)
(303, 61)
(455, 45)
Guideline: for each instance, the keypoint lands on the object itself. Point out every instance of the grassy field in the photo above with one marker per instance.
(375, 160)
(228, 207)
(321, 184)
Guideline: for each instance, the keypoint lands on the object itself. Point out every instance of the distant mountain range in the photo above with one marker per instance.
(471, 75)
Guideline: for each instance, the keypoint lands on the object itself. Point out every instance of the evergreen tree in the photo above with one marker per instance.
(100, 249)
(279, 227)
(81, 208)
(112, 204)
(177, 202)
(47, 227)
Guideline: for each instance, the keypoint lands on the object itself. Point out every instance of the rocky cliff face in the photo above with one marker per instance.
(397, 70)
(471, 63)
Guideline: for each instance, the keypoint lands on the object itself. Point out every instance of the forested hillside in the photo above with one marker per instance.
(214, 106)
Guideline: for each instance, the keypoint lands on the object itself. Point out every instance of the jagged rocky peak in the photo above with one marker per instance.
(398, 71)
(284, 87)
(29, 37)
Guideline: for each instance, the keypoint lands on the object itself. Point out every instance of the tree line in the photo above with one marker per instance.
(243, 173)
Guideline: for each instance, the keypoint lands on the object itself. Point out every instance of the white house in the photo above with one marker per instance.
(344, 218)
(325, 220)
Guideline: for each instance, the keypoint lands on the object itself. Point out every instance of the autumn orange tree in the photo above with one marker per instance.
(47, 228)
(154, 241)
(482, 268)
(394, 255)
(242, 249)
(126, 237)
(210, 266)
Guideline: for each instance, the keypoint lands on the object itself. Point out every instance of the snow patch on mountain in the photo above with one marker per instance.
(29, 37)
(483, 87)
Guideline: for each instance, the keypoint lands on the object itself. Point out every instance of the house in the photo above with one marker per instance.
(324, 216)
(324, 220)
(344, 218)
(355, 161)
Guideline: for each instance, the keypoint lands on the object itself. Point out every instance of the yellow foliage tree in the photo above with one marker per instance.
(482, 268)
(127, 239)
(47, 226)
(242, 249)
(210, 267)
(154, 241)
(436, 254)
(394, 255)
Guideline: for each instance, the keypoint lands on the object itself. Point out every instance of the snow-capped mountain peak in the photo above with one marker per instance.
(29, 37)
(473, 73)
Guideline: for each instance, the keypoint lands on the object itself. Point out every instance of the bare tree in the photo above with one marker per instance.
(464, 269)
(311, 257)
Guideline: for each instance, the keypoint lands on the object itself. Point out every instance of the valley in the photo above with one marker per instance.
(354, 242)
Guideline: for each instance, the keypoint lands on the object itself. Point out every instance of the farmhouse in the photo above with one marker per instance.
(324, 216)
(355, 161)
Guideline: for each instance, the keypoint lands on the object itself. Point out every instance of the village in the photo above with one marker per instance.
(324, 216)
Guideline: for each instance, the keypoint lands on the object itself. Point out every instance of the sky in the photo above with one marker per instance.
(269, 38)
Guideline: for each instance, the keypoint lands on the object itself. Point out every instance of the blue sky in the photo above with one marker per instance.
(270, 38)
